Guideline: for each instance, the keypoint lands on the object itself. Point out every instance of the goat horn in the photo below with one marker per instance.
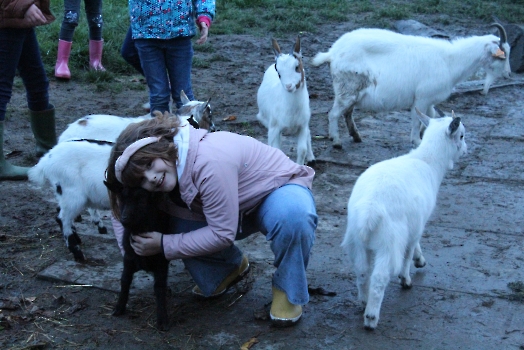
(502, 34)
(439, 111)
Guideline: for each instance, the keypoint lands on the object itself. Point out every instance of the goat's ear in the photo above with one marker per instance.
(183, 97)
(115, 187)
(276, 48)
(424, 119)
(296, 48)
(454, 125)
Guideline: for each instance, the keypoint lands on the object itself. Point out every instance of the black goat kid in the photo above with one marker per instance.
(138, 214)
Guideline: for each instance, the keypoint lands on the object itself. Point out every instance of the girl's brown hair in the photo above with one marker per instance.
(166, 126)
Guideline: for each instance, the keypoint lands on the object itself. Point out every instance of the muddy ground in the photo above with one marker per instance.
(469, 295)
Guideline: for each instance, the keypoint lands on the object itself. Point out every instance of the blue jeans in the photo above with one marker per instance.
(288, 219)
(19, 49)
(129, 52)
(166, 62)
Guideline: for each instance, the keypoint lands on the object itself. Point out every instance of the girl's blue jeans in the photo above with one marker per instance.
(19, 50)
(167, 67)
(288, 219)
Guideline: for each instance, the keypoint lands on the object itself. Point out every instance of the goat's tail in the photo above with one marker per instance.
(36, 174)
(369, 228)
(321, 58)
(362, 222)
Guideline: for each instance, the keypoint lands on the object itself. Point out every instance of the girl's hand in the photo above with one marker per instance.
(204, 30)
(148, 243)
(34, 16)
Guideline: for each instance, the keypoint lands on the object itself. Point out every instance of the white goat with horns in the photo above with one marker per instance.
(283, 102)
(389, 207)
(380, 70)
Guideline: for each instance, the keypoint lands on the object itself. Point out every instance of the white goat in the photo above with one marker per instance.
(380, 70)
(75, 167)
(283, 101)
(105, 127)
(389, 207)
(76, 171)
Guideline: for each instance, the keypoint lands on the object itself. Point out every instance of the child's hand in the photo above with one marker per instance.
(147, 244)
(34, 16)
(204, 30)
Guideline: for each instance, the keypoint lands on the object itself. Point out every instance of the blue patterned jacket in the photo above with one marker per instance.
(168, 19)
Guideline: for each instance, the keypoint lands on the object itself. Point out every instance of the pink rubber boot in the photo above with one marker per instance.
(95, 54)
(62, 58)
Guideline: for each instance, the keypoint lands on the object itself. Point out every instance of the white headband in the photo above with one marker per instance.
(121, 162)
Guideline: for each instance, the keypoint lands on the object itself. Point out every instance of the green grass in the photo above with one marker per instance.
(263, 18)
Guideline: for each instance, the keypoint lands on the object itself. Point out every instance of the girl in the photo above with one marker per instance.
(221, 187)
(161, 32)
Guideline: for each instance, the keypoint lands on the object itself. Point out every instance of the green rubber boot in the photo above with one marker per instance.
(7, 170)
(43, 127)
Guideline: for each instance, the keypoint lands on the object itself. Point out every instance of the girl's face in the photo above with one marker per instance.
(160, 176)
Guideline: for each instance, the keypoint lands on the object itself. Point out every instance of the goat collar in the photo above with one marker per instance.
(121, 161)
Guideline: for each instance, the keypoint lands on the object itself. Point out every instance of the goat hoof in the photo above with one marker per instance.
(78, 218)
(162, 326)
(102, 230)
(419, 264)
(370, 322)
(406, 285)
(79, 256)
(119, 311)
(311, 163)
(337, 146)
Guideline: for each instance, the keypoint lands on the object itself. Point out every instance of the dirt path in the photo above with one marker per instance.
(462, 299)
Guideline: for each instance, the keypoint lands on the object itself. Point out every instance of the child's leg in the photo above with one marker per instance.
(95, 23)
(33, 74)
(179, 59)
(288, 218)
(210, 270)
(70, 21)
(153, 59)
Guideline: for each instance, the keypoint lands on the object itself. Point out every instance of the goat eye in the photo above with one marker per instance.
(297, 69)
(149, 165)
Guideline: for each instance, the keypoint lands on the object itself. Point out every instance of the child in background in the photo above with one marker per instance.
(161, 33)
(93, 9)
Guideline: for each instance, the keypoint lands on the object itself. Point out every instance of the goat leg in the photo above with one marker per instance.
(73, 244)
(352, 128)
(160, 275)
(125, 284)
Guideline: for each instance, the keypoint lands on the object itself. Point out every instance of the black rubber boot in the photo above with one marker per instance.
(44, 129)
